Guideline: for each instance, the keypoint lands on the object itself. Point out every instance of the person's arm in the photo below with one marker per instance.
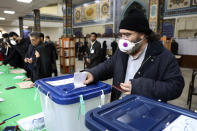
(11, 52)
(36, 66)
(167, 89)
(104, 70)
(97, 52)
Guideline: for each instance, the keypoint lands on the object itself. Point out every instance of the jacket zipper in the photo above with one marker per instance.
(145, 61)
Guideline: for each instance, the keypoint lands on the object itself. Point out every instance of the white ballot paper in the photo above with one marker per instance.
(19, 77)
(61, 82)
(182, 123)
(79, 78)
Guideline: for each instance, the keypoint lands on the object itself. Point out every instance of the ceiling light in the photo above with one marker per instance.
(2, 18)
(9, 12)
(25, 27)
(97, 1)
(85, 4)
(25, 1)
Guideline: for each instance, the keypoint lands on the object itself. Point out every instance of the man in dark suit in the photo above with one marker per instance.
(94, 52)
(38, 59)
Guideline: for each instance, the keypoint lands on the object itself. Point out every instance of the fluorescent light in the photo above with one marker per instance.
(25, 27)
(97, 1)
(2, 18)
(25, 1)
(9, 12)
(85, 4)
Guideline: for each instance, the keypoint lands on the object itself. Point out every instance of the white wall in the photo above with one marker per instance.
(98, 29)
(6, 29)
(54, 32)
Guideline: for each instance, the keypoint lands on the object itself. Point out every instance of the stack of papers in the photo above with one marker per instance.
(18, 71)
(19, 77)
(27, 84)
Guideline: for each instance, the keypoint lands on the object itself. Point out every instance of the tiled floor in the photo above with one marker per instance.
(181, 101)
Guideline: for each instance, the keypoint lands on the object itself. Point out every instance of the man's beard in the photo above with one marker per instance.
(136, 48)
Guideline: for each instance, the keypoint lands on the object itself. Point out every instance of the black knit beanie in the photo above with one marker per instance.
(136, 21)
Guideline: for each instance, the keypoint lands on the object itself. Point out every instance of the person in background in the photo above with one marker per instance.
(77, 46)
(174, 47)
(104, 51)
(4, 49)
(195, 35)
(11, 54)
(42, 37)
(81, 51)
(53, 52)
(94, 57)
(1, 47)
(86, 45)
(141, 65)
(114, 46)
(38, 58)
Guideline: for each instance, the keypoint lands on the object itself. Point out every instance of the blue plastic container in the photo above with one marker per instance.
(134, 113)
(61, 104)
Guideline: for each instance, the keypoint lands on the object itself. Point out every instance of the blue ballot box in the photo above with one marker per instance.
(137, 113)
(64, 106)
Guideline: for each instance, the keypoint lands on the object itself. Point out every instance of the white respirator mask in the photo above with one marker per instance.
(125, 45)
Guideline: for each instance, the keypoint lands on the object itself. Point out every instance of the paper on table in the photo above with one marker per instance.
(182, 123)
(26, 84)
(1, 99)
(79, 78)
(18, 71)
(19, 77)
(28, 123)
(61, 82)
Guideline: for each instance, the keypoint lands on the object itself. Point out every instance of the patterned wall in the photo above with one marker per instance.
(93, 13)
(180, 7)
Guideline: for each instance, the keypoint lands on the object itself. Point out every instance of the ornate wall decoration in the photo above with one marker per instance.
(90, 12)
(105, 9)
(77, 15)
(175, 4)
(194, 2)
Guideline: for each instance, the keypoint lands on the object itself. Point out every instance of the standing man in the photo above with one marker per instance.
(38, 58)
(53, 53)
(141, 65)
(95, 52)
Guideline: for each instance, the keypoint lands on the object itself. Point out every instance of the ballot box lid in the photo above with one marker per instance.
(134, 113)
(61, 89)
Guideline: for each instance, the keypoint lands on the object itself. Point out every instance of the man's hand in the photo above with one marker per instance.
(37, 54)
(88, 60)
(1, 64)
(30, 61)
(11, 67)
(27, 79)
(26, 60)
(89, 79)
(127, 87)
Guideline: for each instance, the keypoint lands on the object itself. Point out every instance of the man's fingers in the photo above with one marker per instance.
(87, 82)
(127, 93)
(89, 78)
(126, 88)
(125, 84)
